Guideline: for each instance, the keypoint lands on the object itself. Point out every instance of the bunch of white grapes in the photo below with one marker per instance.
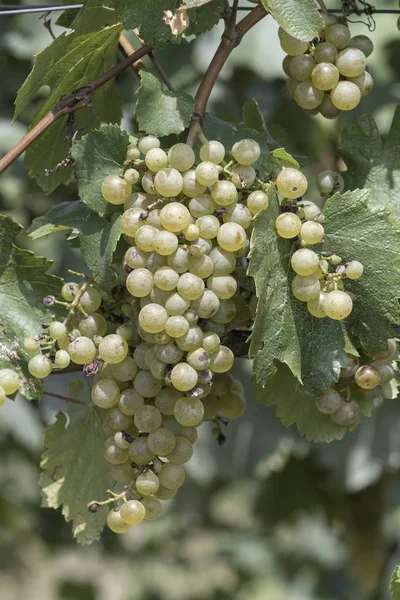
(319, 278)
(329, 75)
(371, 378)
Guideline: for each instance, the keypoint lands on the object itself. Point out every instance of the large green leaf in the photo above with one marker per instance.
(70, 62)
(356, 231)
(147, 16)
(94, 15)
(161, 112)
(300, 18)
(295, 406)
(96, 155)
(23, 285)
(373, 164)
(74, 471)
(284, 330)
(98, 237)
(395, 584)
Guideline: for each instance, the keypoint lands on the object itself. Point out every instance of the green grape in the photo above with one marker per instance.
(161, 441)
(191, 340)
(312, 232)
(146, 384)
(155, 261)
(305, 288)
(224, 193)
(316, 306)
(139, 452)
(179, 260)
(363, 43)
(190, 286)
(191, 232)
(243, 176)
(94, 324)
(139, 355)
(166, 243)
(121, 473)
(90, 300)
(69, 290)
(291, 183)
(181, 157)
(183, 377)
(301, 67)
(130, 221)
(148, 142)
(346, 95)
(329, 182)
(113, 349)
(208, 226)
(389, 352)
(329, 403)
(154, 218)
(168, 182)
(200, 246)
(338, 305)
(291, 86)
(198, 359)
(156, 159)
(191, 186)
(148, 483)
(62, 359)
(116, 523)
(201, 266)
(147, 418)
(139, 283)
(124, 370)
(288, 225)
(367, 377)
(130, 401)
(158, 369)
(246, 152)
(137, 200)
(164, 493)
(257, 201)
(182, 452)
(117, 420)
(57, 330)
(145, 238)
(223, 286)
(211, 342)
(81, 350)
(188, 432)
(31, 345)
(132, 512)
(328, 109)
(329, 19)
(347, 415)
(364, 82)
(238, 213)
(105, 393)
(325, 76)
(131, 176)
(9, 379)
(202, 206)
(165, 401)
(213, 151)
(351, 62)
(338, 35)
(231, 405)
(308, 96)
(325, 53)
(166, 279)
(176, 305)
(175, 217)
(385, 371)
(207, 305)
(292, 46)
(224, 262)
(350, 369)
(354, 269)
(113, 454)
(207, 173)
(152, 318)
(231, 237)
(225, 314)
(115, 189)
(125, 331)
(189, 411)
(222, 360)
(304, 262)
(287, 61)
(152, 506)
(171, 476)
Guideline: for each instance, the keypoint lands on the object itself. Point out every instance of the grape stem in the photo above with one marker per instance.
(154, 60)
(323, 6)
(76, 300)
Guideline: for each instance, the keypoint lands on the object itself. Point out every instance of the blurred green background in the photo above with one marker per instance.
(266, 516)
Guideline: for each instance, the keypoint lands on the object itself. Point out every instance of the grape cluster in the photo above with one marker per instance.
(328, 75)
(319, 277)
(362, 379)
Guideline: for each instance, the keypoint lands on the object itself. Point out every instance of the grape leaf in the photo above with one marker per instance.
(94, 15)
(252, 116)
(284, 330)
(394, 585)
(99, 153)
(356, 231)
(74, 471)
(295, 406)
(373, 164)
(300, 18)
(98, 238)
(147, 16)
(23, 285)
(70, 62)
(161, 112)
(202, 19)
(67, 17)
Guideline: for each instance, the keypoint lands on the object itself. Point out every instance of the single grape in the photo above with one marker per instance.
(329, 182)
(31, 345)
(156, 159)
(312, 232)
(161, 442)
(207, 173)
(291, 183)
(57, 330)
(316, 306)
(121, 473)
(189, 411)
(385, 371)
(301, 67)
(367, 377)
(132, 512)
(207, 305)
(152, 318)
(306, 288)
(222, 360)
(175, 217)
(116, 523)
(292, 45)
(172, 476)
(113, 453)
(113, 349)
(183, 377)
(147, 418)
(304, 261)
(131, 222)
(124, 370)
(202, 266)
(211, 342)
(351, 62)
(148, 142)
(287, 61)
(181, 157)
(132, 176)
(347, 415)
(148, 483)
(308, 96)
(190, 286)
(191, 186)
(165, 401)
(354, 269)
(257, 201)
(9, 379)
(130, 401)
(146, 384)
(329, 403)
(338, 305)
(288, 225)
(364, 82)
(139, 283)
(69, 290)
(223, 286)
(139, 452)
(90, 300)
(290, 87)
(224, 262)
(225, 314)
(363, 43)
(166, 243)
(224, 193)
(329, 19)
(231, 405)
(213, 151)
(328, 109)
(231, 237)
(153, 507)
(351, 367)
(94, 324)
(325, 76)
(325, 53)
(246, 152)
(62, 359)
(190, 433)
(115, 189)
(202, 206)
(338, 35)
(168, 182)
(176, 305)
(191, 232)
(243, 176)
(166, 279)
(346, 95)
(191, 340)
(389, 352)
(81, 350)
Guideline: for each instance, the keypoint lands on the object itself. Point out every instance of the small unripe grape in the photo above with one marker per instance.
(166, 243)
(161, 442)
(116, 523)
(113, 349)
(115, 189)
(82, 350)
(351, 62)
(130, 401)
(152, 506)
(69, 290)
(325, 76)
(292, 45)
(291, 183)
(364, 82)
(131, 176)
(243, 176)
(224, 193)
(146, 384)
(90, 300)
(168, 182)
(183, 377)
(231, 405)
(222, 360)
(312, 232)
(175, 217)
(346, 95)
(62, 359)
(31, 345)
(329, 403)
(105, 393)
(172, 476)
(316, 306)
(139, 283)
(39, 366)
(139, 452)
(189, 411)
(288, 225)
(124, 370)
(207, 173)
(148, 483)
(92, 325)
(147, 143)
(329, 182)
(363, 43)
(308, 96)
(213, 151)
(132, 512)
(9, 379)
(304, 261)
(338, 35)
(231, 237)
(347, 415)
(246, 152)
(301, 67)
(338, 305)
(156, 159)
(306, 288)
(181, 157)
(257, 201)
(354, 269)
(152, 318)
(287, 61)
(328, 109)
(367, 377)
(325, 53)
